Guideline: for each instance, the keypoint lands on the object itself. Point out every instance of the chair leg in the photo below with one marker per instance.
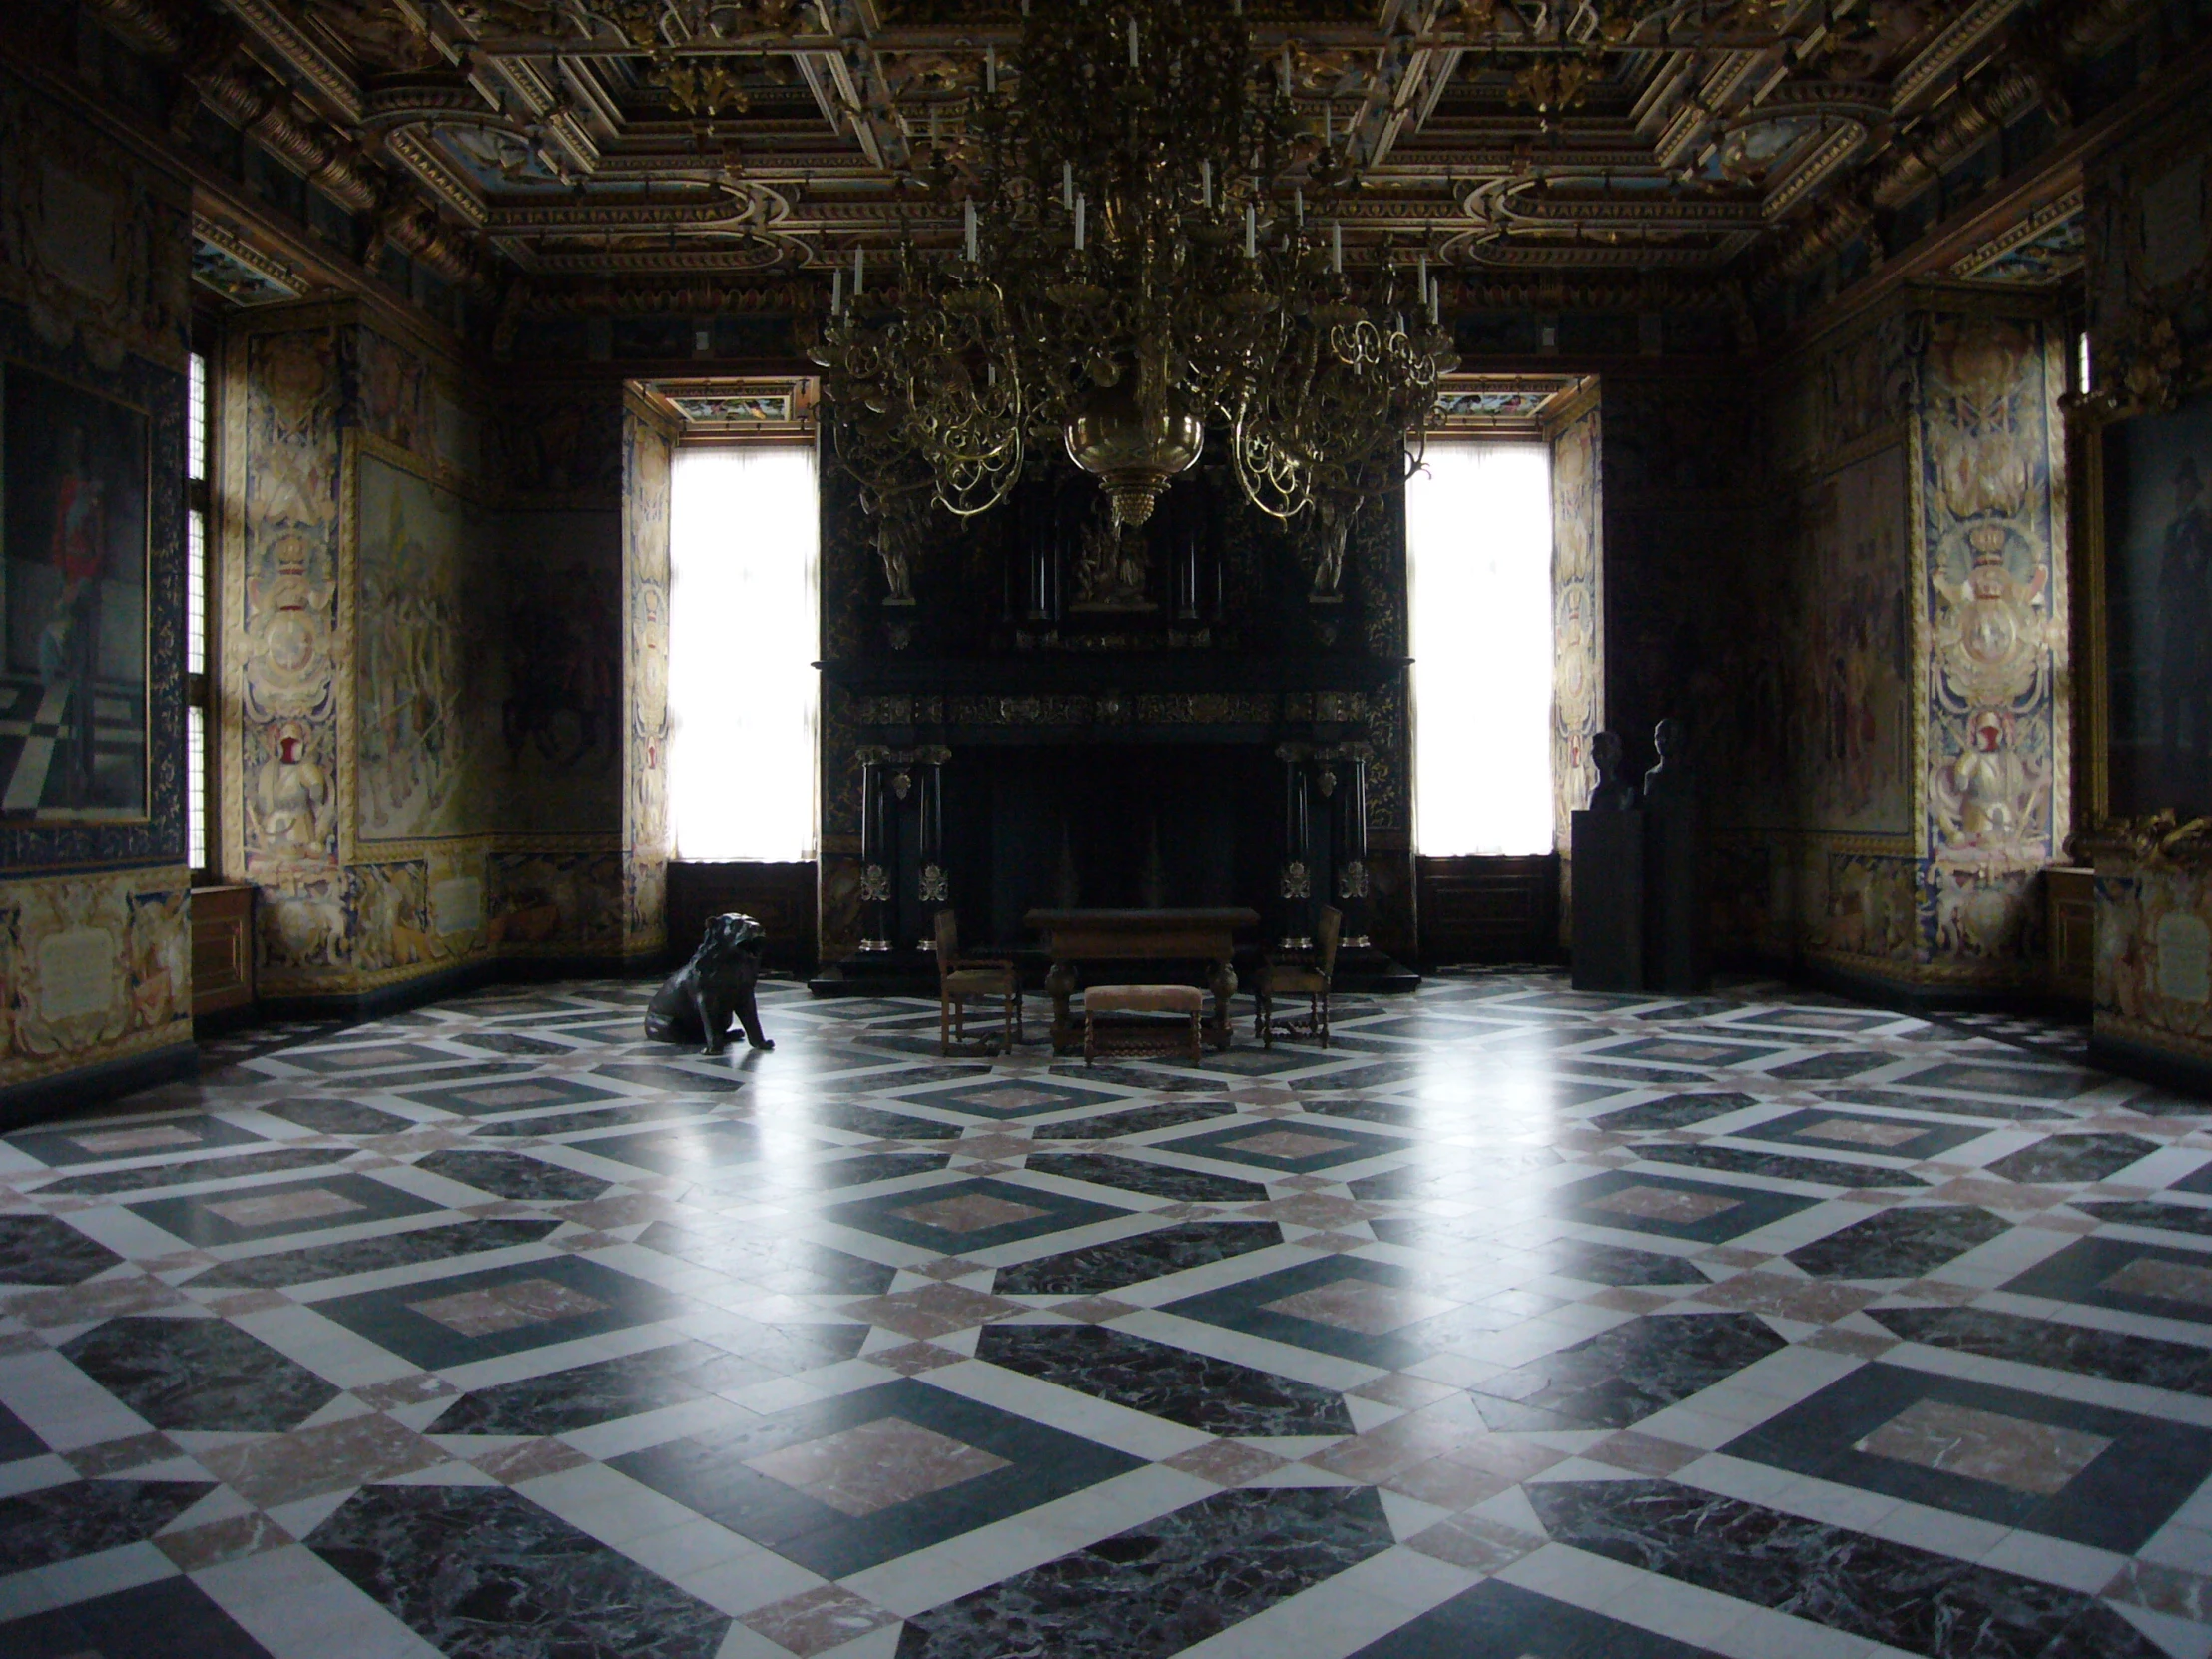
(1325, 1020)
(1265, 1020)
(945, 1026)
(1090, 1038)
(1009, 1025)
(1198, 1057)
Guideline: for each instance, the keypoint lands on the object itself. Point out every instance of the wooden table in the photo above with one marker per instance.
(1073, 936)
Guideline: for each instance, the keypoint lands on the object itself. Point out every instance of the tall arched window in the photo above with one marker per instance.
(742, 629)
(1479, 557)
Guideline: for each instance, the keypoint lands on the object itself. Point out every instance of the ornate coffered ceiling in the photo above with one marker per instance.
(578, 142)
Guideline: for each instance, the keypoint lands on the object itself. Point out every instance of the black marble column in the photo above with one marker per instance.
(1296, 886)
(931, 888)
(877, 851)
(1351, 843)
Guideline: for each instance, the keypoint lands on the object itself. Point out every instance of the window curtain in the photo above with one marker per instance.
(1478, 568)
(744, 567)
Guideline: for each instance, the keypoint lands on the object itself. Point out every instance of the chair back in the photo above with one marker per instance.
(948, 942)
(1326, 936)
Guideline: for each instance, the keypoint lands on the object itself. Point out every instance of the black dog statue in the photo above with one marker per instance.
(696, 1002)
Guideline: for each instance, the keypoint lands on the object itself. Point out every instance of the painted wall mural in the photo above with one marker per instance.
(2157, 486)
(1909, 681)
(1997, 709)
(72, 601)
(1578, 643)
(456, 788)
(94, 246)
(95, 964)
(96, 968)
(1854, 699)
(423, 617)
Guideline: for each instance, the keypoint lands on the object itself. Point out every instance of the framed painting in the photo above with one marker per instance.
(73, 522)
(2157, 523)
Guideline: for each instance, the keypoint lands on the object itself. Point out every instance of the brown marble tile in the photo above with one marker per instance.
(223, 1540)
(1438, 1431)
(948, 1267)
(1361, 1305)
(1476, 1543)
(88, 1304)
(1285, 1143)
(1093, 1310)
(1304, 1182)
(579, 1243)
(1939, 1290)
(861, 1470)
(1398, 1389)
(1331, 1244)
(912, 1359)
(1447, 1484)
(1857, 1132)
(1226, 1464)
(1816, 1301)
(2166, 1281)
(404, 1390)
(1316, 1210)
(328, 1459)
(1631, 1299)
(500, 1307)
(149, 1137)
(969, 1211)
(622, 1209)
(93, 1461)
(931, 1310)
(2012, 1452)
(2168, 1590)
(1664, 1204)
(994, 1143)
(1645, 1454)
(818, 1620)
(247, 1301)
(21, 1341)
(511, 1465)
(1736, 1256)
(269, 1209)
(1509, 1456)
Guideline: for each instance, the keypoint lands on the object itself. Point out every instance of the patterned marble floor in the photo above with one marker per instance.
(1523, 1325)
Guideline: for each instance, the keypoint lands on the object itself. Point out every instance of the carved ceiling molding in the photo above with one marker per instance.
(2037, 227)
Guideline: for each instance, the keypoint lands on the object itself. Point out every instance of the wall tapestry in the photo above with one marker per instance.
(421, 709)
(1855, 694)
(2159, 609)
(72, 728)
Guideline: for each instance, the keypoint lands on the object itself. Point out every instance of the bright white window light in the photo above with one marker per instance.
(196, 418)
(742, 692)
(1478, 556)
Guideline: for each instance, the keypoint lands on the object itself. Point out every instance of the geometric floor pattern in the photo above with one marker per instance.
(1518, 1325)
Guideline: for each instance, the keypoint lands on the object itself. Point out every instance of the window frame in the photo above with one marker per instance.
(201, 526)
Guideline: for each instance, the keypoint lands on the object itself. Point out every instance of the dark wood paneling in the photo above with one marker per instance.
(222, 949)
(780, 897)
(1489, 910)
(2072, 896)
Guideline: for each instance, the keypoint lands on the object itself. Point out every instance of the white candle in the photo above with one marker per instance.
(1079, 224)
(991, 68)
(1336, 245)
(1286, 71)
(1132, 43)
(1205, 181)
(837, 291)
(1252, 232)
(1299, 195)
(1067, 185)
(860, 271)
(1425, 276)
(1435, 298)
(971, 245)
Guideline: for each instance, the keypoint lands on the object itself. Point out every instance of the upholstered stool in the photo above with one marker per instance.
(1131, 1038)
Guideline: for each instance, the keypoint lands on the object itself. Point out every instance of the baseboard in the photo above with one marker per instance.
(2183, 1073)
(45, 1098)
(433, 988)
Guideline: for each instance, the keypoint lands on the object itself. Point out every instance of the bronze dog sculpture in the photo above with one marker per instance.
(696, 1002)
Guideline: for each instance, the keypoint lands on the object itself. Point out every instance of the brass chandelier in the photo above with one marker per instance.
(1145, 253)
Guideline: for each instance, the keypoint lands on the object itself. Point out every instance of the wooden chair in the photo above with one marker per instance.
(966, 979)
(1311, 979)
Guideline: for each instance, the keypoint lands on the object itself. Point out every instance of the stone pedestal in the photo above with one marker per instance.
(1608, 888)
